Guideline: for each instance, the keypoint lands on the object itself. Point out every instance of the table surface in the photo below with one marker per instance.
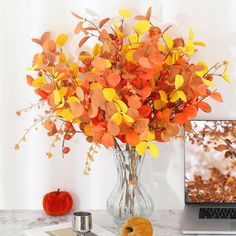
(14, 222)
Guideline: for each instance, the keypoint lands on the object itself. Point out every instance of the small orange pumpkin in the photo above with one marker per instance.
(57, 203)
(137, 226)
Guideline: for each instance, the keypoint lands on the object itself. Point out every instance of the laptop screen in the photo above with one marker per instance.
(210, 162)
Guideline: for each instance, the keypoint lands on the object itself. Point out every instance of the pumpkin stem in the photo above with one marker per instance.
(129, 229)
(58, 190)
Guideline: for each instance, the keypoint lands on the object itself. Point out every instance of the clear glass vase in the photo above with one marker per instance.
(129, 197)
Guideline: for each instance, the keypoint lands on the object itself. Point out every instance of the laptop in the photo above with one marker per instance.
(210, 178)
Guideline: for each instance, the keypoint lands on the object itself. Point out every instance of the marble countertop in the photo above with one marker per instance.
(14, 222)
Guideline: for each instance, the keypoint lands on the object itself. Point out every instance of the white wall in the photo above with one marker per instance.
(26, 175)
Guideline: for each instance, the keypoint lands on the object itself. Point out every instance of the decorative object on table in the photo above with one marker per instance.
(82, 223)
(64, 230)
(137, 226)
(57, 203)
(136, 86)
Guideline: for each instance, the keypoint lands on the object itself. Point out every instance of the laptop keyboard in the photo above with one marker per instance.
(217, 213)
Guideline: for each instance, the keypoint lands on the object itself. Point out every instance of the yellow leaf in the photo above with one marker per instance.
(169, 60)
(153, 150)
(32, 67)
(117, 118)
(129, 56)
(141, 148)
(142, 26)
(175, 57)
(174, 97)
(163, 96)
(87, 130)
(118, 107)
(150, 136)
(226, 77)
(189, 48)
(39, 82)
(203, 71)
(125, 13)
(83, 57)
(169, 41)
(179, 80)
(72, 100)
(191, 35)
(152, 83)
(208, 83)
(95, 85)
(120, 33)
(128, 118)
(57, 97)
(61, 40)
(159, 104)
(122, 106)
(97, 49)
(109, 94)
(182, 96)
(74, 67)
(161, 47)
(63, 91)
(62, 58)
(135, 39)
(65, 114)
(108, 64)
(199, 44)
(39, 60)
(62, 103)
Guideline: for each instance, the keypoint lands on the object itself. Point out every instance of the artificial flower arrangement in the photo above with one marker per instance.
(137, 85)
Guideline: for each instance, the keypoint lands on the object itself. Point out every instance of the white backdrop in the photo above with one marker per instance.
(26, 175)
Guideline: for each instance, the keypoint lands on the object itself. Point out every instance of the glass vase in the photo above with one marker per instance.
(129, 197)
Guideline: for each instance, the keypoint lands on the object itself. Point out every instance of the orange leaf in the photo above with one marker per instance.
(92, 111)
(157, 59)
(145, 63)
(76, 15)
(99, 63)
(113, 128)
(113, 79)
(217, 96)
(29, 79)
(145, 92)
(103, 22)
(141, 125)
(97, 130)
(132, 138)
(180, 118)
(83, 41)
(134, 102)
(80, 93)
(50, 126)
(202, 89)
(145, 110)
(77, 109)
(79, 27)
(221, 147)
(190, 111)
(108, 140)
(204, 106)
(133, 113)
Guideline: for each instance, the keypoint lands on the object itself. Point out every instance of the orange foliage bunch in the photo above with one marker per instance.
(137, 85)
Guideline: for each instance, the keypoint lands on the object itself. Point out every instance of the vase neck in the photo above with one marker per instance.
(128, 164)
